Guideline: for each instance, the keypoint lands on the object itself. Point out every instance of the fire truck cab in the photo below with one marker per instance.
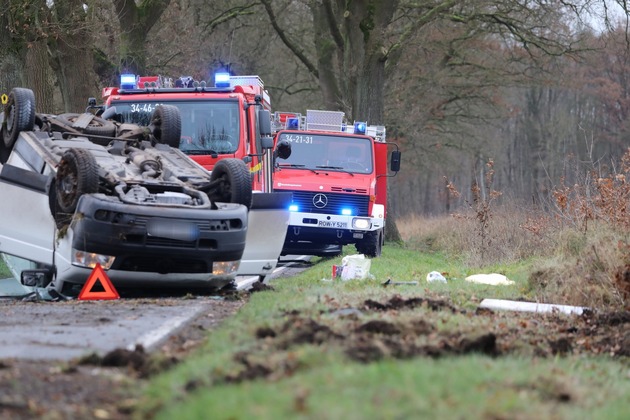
(218, 122)
(337, 174)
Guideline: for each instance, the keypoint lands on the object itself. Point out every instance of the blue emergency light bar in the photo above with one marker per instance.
(127, 81)
(222, 80)
(293, 123)
(359, 127)
(293, 207)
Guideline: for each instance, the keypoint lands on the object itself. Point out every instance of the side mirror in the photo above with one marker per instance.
(266, 142)
(394, 165)
(283, 149)
(36, 278)
(264, 123)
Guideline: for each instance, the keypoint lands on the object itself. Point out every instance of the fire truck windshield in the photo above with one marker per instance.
(328, 152)
(207, 126)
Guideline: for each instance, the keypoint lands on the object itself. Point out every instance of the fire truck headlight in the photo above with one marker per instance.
(358, 223)
(127, 81)
(222, 80)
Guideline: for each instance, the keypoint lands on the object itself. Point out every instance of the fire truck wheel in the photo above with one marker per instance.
(77, 174)
(166, 125)
(232, 182)
(372, 244)
(97, 126)
(19, 115)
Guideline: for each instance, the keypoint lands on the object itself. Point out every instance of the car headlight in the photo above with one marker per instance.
(224, 268)
(90, 259)
(360, 223)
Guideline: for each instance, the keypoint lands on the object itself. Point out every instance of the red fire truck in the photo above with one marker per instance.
(228, 122)
(218, 122)
(337, 174)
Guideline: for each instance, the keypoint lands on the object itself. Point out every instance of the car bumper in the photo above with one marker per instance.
(153, 244)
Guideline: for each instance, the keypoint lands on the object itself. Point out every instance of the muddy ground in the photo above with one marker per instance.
(393, 328)
(94, 386)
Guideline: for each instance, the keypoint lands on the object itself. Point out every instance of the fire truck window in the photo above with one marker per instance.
(353, 154)
(209, 129)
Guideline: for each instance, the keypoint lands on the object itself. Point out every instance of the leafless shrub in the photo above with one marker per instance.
(582, 239)
(457, 236)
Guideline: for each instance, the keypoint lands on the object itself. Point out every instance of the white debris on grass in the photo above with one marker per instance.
(435, 276)
(530, 306)
(355, 267)
(493, 279)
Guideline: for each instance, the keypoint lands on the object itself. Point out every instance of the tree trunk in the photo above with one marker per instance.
(39, 77)
(136, 21)
(72, 59)
(11, 63)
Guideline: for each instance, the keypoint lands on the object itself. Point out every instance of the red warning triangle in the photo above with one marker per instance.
(98, 275)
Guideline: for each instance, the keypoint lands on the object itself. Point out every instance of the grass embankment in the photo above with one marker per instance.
(312, 348)
(317, 349)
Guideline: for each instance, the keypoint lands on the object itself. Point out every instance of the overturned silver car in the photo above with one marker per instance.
(143, 210)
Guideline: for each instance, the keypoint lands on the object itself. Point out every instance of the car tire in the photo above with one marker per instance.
(19, 115)
(232, 182)
(98, 127)
(166, 125)
(77, 174)
(372, 244)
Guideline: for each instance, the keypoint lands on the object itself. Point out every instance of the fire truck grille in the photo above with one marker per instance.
(331, 203)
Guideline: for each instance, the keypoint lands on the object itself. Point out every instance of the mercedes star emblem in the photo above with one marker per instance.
(320, 201)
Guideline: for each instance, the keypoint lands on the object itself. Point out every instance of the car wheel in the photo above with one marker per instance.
(77, 174)
(19, 115)
(372, 244)
(166, 125)
(97, 126)
(61, 219)
(232, 182)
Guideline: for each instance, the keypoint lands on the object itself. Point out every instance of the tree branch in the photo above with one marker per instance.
(299, 53)
(332, 25)
(228, 15)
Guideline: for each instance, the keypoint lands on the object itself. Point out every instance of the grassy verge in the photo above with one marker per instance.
(313, 348)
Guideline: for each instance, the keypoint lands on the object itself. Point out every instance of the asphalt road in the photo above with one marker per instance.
(47, 330)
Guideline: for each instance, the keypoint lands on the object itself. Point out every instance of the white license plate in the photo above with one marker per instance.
(338, 225)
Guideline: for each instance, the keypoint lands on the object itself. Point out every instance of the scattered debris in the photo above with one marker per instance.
(435, 276)
(355, 267)
(493, 279)
(390, 282)
(511, 305)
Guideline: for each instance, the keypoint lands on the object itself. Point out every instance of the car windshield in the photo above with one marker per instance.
(328, 152)
(211, 126)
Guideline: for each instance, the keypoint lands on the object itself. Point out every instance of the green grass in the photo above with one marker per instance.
(452, 388)
(314, 381)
